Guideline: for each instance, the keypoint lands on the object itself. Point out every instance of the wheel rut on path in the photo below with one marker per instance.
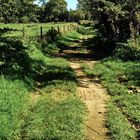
(95, 97)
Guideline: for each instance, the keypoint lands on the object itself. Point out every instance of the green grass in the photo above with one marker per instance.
(119, 127)
(69, 38)
(118, 77)
(30, 29)
(14, 102)
(57, 114)
(53, 119)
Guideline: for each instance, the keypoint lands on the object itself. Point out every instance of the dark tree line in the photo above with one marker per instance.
(25, 11)
(116, 19)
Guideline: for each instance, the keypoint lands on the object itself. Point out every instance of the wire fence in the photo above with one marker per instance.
(42, 34)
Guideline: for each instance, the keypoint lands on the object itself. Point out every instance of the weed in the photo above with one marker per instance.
(52, 119)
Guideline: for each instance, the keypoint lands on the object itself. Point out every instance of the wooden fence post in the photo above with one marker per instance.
(64, 28)
(58, 28)
(68, 27)
(41, 32)
(23, 33)
(77, 27)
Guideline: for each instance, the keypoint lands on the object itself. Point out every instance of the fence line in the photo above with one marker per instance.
(61, 29)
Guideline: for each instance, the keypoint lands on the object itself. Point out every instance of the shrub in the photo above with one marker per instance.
(126, 52)
(25, 19)
(52, 34)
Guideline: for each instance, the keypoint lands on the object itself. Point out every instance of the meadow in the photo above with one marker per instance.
(37, 92)
(31, 29)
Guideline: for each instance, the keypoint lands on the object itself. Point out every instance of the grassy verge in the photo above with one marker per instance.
(61, 43)
(122, 82)
(56, 119)
(57, 114)
(14, 102)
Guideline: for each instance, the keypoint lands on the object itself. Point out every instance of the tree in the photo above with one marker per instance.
(17, 11)
(117, 19)
(8, 11)
(55, 9)
(76, 15)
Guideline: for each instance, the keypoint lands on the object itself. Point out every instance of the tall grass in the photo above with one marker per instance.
(14, 105)
(51, 119)
(57, 114)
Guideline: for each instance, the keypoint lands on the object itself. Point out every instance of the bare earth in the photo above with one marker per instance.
(91, 92)
(95, 97)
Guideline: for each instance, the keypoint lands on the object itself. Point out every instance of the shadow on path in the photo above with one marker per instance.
(89, 91)
(80, 49)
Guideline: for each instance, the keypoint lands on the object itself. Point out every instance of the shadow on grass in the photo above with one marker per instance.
(97, 48)
(6, 30)
(15, 63)
(133, 73)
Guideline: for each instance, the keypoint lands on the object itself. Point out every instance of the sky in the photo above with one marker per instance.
(72, 4)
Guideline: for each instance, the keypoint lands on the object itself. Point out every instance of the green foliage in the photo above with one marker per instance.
(119, 127)
(25, 19)
(54, 9)
(121, 79)
(14, 11)
(117, 20)
(52, 35)
(127, 52)
(76, 15)
(14, 108)
(13, 55)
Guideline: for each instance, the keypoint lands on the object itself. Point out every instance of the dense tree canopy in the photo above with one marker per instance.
(24, 11)
(76, 15)
(17, 11)
(55, 9)
(118, 19)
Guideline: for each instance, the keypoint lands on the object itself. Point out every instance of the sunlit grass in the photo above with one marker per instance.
(30, 29)
(118, 77)
(52, 119)
(14, 107)
(57, 113)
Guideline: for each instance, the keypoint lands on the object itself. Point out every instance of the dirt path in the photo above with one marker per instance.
(94, 97)
(90, 91)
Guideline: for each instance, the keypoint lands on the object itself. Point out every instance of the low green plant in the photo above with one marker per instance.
(52, 35)
(121, 79)
(127, 52)
(51, 119)
(119, 126)
(14, 102)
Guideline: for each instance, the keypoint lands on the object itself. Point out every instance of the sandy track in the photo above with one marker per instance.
(95, 97)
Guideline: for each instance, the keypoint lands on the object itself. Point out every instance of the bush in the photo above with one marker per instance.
(13, 55)
(25, 19)
(52, 34)
(126, 52)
